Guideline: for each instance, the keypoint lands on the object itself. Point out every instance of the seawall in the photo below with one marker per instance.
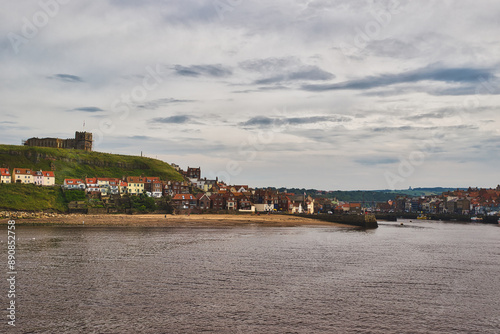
(364, 221)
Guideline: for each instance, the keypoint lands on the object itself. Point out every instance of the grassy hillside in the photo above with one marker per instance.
(28, 197)
(421, 191)
(80, 164)
(347, 196)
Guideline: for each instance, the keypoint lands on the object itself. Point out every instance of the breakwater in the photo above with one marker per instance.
(364, 221)
(435, 216)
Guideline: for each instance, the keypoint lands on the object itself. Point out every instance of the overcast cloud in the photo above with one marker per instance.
(308, 93)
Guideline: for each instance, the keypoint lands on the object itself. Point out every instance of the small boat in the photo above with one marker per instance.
(422, 217)
(476, 219)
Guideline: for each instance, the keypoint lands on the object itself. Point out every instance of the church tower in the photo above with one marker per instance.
(83, 141)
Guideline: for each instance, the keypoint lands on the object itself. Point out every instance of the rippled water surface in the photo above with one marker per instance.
(423, 277)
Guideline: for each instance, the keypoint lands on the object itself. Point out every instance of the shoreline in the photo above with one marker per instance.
(159, 220)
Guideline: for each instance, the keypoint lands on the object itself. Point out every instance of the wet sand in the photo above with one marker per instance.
(203, 220)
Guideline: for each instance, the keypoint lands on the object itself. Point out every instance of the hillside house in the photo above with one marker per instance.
(91, 185)
(193, 173)
(72, 184)
(5, 176)
(43, 178)
(123, 186)
(171, 188)
(153, 187)
(109, 186)
(22, 175)
(135, 185)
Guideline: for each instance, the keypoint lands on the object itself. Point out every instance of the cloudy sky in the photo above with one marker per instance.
(308, 93)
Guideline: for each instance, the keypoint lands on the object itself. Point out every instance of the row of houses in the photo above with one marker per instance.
(247, 200)
(183, 197)
(132, 185)
(27, 176)
(473, 201)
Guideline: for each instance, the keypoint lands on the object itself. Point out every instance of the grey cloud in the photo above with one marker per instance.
(87, 109)
(450, 75)
(392, 48)
(141, 137)
(262, 89)
(263, 121)
(267, 65)
(154, 104)
(423, 128)
(309, 73)
(179, 119)
(443, 113)
(284, 69)
(377, 161)
(217, 70)
(480, 87)
(260, 121)
(66, 78)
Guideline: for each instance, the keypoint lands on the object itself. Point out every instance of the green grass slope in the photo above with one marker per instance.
(28, 197)
(80, 164)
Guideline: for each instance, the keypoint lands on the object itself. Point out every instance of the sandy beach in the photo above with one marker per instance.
(203, 220)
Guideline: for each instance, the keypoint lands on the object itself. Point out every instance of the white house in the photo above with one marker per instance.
(92, 185)
(74, 184)
(22, 175)
(5, 176)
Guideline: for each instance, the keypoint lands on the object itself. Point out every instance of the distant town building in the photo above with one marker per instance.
(193, 173)
(82, 141)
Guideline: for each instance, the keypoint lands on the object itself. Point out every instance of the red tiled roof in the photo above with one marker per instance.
(180, 197)
(22, 171)
(72, 181)
(43, 173)
(151, 179)
(135, 179)
(4, 172)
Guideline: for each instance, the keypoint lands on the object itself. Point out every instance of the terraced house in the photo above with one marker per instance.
(74, 184)
(135, 185)
(5, 176)
(153, 186)
(109, 186)
(92, 185)
(43, 178)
